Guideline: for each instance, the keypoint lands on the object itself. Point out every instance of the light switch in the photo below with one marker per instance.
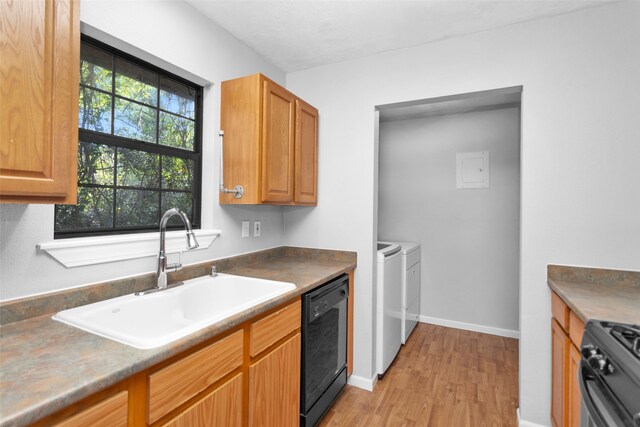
(472, 170)
(257, 228)
(245, 229)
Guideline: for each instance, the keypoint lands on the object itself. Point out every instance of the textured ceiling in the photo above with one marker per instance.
(295, 35)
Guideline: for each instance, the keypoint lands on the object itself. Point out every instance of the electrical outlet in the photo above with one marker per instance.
(245, 229)
(257, 228)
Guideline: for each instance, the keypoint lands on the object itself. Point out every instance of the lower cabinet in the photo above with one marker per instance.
(274, 386)
(566, 334)
(248, 376)
(221, 407)
(573, 398)
(179, 382)
(559, 348)
(110, 412)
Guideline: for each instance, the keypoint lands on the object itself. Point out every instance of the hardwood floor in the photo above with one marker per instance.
(442, 377)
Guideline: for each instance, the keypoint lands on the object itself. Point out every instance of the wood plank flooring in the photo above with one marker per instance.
(441, 377)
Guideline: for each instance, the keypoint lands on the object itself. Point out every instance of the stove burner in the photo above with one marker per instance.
(629, 336)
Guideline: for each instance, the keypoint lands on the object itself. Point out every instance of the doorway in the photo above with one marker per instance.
(448, 177)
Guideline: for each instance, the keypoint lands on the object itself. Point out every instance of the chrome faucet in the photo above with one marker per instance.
(192, 243)
(163, 267)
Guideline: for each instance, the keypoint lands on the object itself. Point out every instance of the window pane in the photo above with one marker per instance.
(135, 121)
(177, 173)
(137, 208)
(136, 83)
(177, 98)
(176, 131)
(182, 201)
(95, 67)
(95, 164)
(93, 211)
(94, 110)
(138, 169)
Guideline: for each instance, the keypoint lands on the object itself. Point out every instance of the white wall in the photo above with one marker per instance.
(469, 238)
(173, 32)
(580, 201)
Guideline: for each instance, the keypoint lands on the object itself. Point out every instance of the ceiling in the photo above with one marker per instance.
(294, 35)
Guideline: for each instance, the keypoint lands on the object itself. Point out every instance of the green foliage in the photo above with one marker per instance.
(138, 169)
(137, 208)
(177, 173)
(134, 121)
(94, 110)
(95, 164)
(176, 131)
(136, 90)
(93, 211)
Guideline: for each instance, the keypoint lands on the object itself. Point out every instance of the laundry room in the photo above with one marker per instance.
(449, 185)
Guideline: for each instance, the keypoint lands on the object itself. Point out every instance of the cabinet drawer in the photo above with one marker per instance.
(221, 407)
(274, 327)
(576, 329)
(560, 311)
(111, 412)
(173, 385)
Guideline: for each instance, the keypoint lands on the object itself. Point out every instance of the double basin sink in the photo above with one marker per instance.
(155, 319)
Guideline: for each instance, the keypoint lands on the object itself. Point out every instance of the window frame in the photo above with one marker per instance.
(111, 140)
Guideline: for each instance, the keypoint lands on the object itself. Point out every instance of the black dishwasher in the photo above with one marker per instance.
(324, 348)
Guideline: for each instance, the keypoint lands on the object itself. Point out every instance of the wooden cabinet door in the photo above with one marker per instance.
(221, 407)
(111, 412)
(39, 74)
(180, 381)
(559, 349)
(306, 154)
(274, 387)
(277, 144)
(573, 386)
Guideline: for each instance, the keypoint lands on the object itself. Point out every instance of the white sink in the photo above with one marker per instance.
(155, 319)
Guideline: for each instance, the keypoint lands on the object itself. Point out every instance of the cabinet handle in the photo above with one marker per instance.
(238, 191)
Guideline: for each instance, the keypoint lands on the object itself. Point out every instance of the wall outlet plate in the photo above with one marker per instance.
(257, 228)
(245, 229)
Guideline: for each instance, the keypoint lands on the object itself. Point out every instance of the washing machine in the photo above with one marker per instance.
(410, 287)
(389, 305)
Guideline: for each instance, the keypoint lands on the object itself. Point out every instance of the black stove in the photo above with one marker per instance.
(628, 335)
(610, 375)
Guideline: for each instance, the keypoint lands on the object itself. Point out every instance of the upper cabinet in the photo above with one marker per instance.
(271, 143)
(39, 75)
(278, 121)
(306, 154)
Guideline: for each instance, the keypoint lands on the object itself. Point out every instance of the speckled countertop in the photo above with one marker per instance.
(47, 365)
(601, 294)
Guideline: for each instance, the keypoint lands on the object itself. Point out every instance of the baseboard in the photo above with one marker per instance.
(364, 383)
(470, 327)
(523, 423)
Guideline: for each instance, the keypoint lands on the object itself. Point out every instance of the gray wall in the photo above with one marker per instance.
(470, 238)
(174, 33)
(580, 204)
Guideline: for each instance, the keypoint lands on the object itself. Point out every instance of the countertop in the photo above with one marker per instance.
(601, 294)
(47, 365)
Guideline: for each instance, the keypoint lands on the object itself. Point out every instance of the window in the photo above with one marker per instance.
(140, 146)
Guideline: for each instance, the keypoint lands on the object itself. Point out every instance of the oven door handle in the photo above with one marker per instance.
(601, 406)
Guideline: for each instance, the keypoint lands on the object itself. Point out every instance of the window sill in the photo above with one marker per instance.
(83, 251)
